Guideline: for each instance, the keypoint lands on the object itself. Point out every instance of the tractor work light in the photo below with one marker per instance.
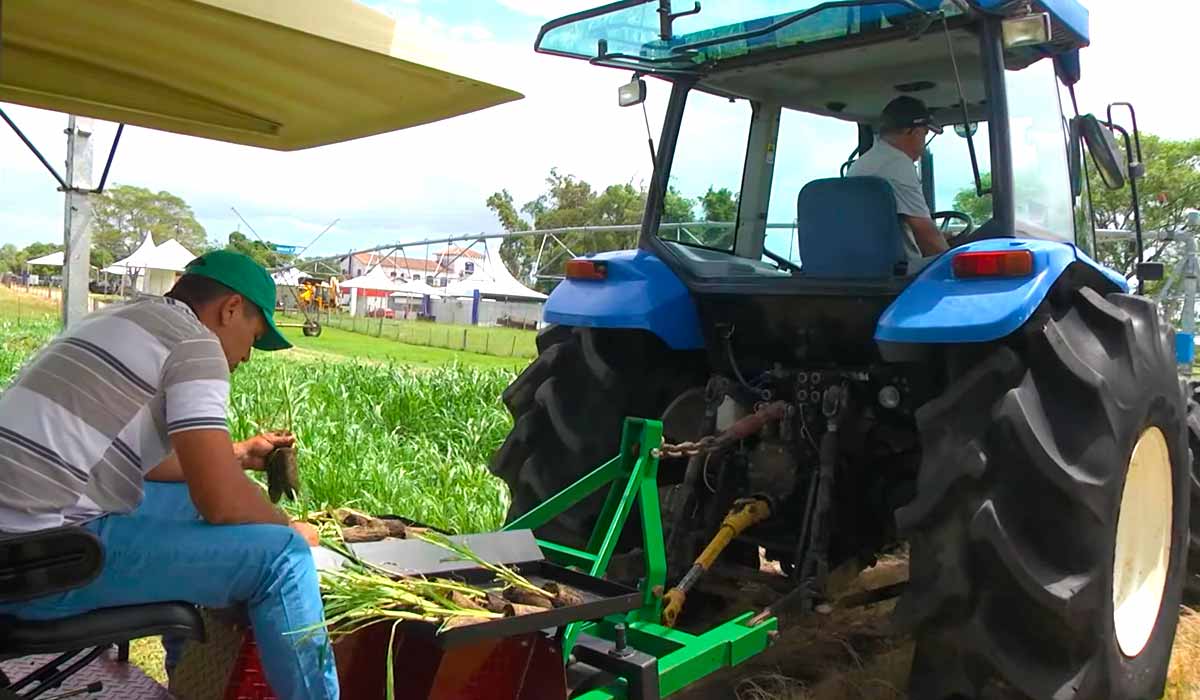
(580, 269)
(993, 263)
(1028, 30)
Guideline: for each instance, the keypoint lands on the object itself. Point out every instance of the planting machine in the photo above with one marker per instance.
(737, 398)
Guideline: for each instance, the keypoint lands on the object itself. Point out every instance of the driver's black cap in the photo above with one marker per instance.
(906, 112)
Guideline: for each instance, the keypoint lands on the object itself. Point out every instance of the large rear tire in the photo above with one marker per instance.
(1049, 531)
(568, 409)
(1192, 590)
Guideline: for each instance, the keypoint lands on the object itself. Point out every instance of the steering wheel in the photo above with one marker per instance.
(961, 216)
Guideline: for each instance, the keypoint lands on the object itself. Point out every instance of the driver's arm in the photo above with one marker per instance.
(929, 239)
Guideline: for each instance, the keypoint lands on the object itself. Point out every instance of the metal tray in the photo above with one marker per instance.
(601, 598)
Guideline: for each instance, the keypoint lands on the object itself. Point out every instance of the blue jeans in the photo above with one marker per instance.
(163, 551)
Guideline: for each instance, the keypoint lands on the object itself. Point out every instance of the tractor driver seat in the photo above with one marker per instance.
(848, 229)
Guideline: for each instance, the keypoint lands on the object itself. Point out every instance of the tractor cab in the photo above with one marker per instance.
(794, 93)
(775, 100)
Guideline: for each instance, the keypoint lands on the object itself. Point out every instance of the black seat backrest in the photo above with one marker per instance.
(848, 228)
(48, 561)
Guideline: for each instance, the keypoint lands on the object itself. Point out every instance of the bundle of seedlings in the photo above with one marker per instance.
(353, 526)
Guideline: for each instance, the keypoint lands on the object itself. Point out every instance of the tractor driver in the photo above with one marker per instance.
(905, 124)
(119, 426)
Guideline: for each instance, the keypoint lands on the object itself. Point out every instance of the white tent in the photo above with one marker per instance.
(153, 268)
(134, 261)
(493, 280)
(372, 284)
(51, 260)
(415, 289)
(171, 256)
(288, 278)
(376, 280)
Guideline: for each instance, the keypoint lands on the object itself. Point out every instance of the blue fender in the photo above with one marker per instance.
(939, 308)
(639, 291)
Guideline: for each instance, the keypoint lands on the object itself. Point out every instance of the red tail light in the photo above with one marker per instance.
(993, 263)
(580, 269)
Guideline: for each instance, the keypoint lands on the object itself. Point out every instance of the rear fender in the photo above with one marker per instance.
(638, 291)
(939, 308)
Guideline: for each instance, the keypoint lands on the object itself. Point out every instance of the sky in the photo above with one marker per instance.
(433, 180)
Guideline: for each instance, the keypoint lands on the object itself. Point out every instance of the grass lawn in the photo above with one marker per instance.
(358, 346)
(485, 340)
(18, 304)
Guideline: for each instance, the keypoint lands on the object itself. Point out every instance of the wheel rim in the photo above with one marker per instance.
(1143, 549)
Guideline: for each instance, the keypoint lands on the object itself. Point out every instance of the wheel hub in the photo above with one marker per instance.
(1143, 548)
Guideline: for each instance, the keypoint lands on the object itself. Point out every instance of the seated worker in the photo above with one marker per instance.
(138, 392)
(905, 124)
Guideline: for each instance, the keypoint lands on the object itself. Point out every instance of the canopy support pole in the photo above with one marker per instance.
(77, 220)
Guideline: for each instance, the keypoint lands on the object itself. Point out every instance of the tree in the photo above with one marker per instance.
(8, 258)
(262, 253)
(569, 202)
(719, 205)
(971, 204)
(124, 215)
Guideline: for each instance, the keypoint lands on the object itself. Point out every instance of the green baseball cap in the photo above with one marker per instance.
(243, 275)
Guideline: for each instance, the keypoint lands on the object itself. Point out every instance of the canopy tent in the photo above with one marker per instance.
(171, 255)
(51, 260)
(416, 289)
(153, 268)
(280, 75)
(288, 278)
(375, 286)
(136, 260)
(493, 280)
(376, 280)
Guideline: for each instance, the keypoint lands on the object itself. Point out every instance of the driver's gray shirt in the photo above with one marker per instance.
(890, 163)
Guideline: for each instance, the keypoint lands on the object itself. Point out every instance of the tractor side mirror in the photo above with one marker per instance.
(1103, 149)
(632, 93)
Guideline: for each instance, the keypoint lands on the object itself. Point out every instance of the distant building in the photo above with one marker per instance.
(443, 268)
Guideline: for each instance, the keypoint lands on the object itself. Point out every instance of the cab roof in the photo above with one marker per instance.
(278, 74)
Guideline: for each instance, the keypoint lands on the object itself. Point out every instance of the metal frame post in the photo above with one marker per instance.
(77, 220)
(682, 658)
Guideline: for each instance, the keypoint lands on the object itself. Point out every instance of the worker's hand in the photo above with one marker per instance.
(253, 453)
(308, 531)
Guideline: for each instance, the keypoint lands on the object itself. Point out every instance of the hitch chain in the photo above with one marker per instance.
(743, 428)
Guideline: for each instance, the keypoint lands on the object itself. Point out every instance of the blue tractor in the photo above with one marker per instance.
(1008, 409)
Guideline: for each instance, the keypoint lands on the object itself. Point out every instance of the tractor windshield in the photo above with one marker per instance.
(632, 33)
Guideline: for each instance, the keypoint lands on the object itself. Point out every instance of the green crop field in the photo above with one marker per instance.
(386, 435)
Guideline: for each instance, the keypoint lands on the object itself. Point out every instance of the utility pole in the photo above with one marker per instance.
(77, 220)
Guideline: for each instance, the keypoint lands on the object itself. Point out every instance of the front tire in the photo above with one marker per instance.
(1049, 531)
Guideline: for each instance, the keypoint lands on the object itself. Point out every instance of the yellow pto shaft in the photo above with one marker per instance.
(745, 513)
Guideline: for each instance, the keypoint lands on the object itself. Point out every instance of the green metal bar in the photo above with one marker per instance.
(628, 455)
(653, 547)
(567, 556)
(694, 656)
(646, 434)
(559, 503)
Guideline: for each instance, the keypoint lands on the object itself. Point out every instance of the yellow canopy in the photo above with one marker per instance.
(281, 74)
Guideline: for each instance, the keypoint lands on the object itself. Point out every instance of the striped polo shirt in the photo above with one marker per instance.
(93, 412)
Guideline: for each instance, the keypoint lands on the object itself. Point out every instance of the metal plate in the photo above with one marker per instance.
(415, 557)
(601, 598)
(121, 680)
